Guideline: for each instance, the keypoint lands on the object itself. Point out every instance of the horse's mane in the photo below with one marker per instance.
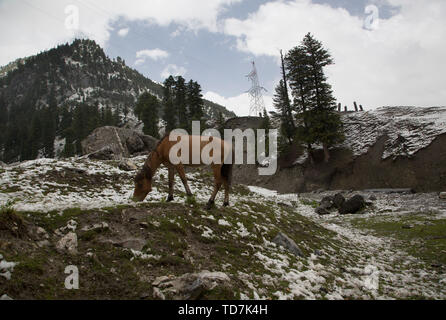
(146, 170)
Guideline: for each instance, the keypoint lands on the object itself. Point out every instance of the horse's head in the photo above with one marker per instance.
(143, 183)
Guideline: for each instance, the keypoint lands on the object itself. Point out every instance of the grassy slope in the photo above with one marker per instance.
(182, 237)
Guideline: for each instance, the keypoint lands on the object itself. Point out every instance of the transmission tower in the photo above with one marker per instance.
(257, 102)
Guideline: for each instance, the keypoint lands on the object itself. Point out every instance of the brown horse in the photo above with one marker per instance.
(222, 172)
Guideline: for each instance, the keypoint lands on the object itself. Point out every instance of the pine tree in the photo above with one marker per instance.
(180, 103)
(313, 96)
(297, 70)
(147, 110)
(195, 103)
(48, 132)
(220, 124)
(35, 136)
(108, 116)
(326, 125)
(282, 104)
(284, 114)
(170, 116)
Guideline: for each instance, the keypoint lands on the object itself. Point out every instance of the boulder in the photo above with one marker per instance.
(322, 211)
(2, 164)
(107, 143)
(284, 241)
(338, 200)
(127, 165)
(5, 297)
(443, 195)
(105, 153)
(327, 202)
(353, 205)
(98, 227)
(190, 286)
(68, 244)
(373, 198)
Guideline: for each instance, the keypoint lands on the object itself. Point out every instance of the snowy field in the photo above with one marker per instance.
(342, 256)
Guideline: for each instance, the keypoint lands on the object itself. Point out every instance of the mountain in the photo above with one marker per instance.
(62, 78)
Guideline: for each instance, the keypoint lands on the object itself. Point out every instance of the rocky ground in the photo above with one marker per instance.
(78, 212)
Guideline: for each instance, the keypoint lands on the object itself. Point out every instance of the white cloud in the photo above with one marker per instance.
(123, 32)
(240, 105)
(173, 70)
(154, 54)
(401, 63)
(40, 24)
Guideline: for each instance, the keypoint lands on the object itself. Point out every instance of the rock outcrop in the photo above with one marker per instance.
(190, 286)
(112, 143)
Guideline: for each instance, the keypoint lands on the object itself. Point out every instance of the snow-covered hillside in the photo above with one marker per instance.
(408, 129)
(266, 245)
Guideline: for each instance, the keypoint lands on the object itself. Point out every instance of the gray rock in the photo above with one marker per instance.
(373, 198)
(338, 200)
(127, 165)
(443, 195)
(190, 286)
(106, 153)
(68, 244)
(5, 297)
(327, 202)
(43, 243)
(2, 164)
(322, 211)
(353, 205)
(42, 234)
(284, 241)
(98, 227)
(109, 143)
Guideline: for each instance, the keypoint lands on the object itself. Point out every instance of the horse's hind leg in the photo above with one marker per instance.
(217, 185)
(171, 183)
(211, 201)
(227, 189)
(182, 175)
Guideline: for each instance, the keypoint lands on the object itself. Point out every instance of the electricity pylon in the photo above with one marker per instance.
(257, 102)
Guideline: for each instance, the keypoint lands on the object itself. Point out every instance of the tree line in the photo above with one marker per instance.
(182, 103)
(309, 117)
(26, 134)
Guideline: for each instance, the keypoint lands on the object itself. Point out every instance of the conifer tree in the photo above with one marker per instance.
(313, 96)
(180, 103)
(48, 132)
(169, 116)
(147, 111)
(195, 101)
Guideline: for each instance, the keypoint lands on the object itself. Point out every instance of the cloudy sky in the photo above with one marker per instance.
(387, 52)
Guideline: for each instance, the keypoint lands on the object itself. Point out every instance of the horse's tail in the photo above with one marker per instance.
(226, 172)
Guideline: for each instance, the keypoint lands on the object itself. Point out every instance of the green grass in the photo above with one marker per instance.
(420, 236)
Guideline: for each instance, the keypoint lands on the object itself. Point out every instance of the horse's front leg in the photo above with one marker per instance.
(183, 178)
(171, 183)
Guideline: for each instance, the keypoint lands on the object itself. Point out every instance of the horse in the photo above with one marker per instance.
(160, 156)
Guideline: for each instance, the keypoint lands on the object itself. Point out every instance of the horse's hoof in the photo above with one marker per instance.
(170, 199)
(209, 206)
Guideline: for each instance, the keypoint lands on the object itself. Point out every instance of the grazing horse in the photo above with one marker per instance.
(161, 155)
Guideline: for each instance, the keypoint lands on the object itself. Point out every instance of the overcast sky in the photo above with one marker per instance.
(396, 59)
